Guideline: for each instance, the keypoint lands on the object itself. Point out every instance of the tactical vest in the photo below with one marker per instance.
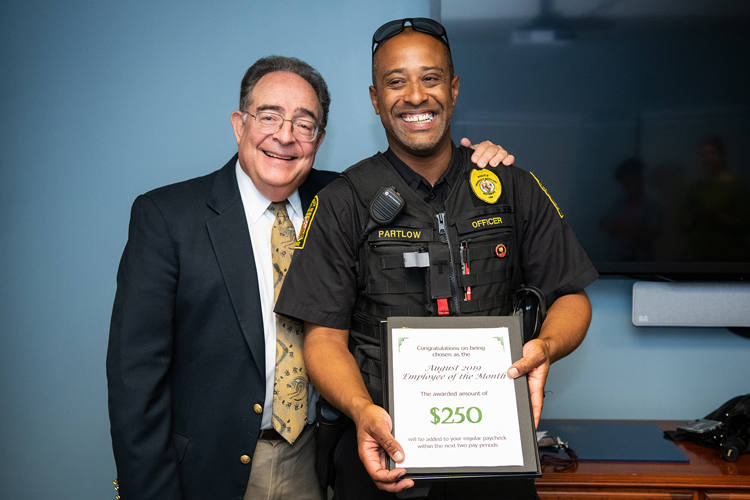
(463, 261)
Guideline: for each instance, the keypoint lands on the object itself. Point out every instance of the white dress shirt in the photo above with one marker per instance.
(259, 223)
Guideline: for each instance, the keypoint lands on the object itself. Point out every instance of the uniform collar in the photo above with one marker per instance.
(413, 179)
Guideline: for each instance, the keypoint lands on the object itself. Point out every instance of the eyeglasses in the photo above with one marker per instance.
(421, 24)
(303, 129)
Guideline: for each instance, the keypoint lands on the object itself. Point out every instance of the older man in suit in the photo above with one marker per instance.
(192, 349)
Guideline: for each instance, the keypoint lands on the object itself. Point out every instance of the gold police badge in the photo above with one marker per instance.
(485, 185)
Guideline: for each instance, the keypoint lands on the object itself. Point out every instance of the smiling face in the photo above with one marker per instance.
(277, 163)
(414, 93)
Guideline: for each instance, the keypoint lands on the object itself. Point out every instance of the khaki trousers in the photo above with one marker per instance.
(281, 471)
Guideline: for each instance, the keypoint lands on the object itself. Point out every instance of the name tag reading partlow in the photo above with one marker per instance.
(455, 411)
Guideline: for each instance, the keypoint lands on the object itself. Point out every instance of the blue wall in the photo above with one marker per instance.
(101, 101)
(626, 372)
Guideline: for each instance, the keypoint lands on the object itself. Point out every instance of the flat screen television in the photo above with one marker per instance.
(639, 130)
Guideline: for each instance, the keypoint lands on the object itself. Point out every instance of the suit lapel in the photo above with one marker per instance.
(231, 243)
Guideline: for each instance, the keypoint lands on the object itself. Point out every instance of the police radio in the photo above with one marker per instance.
(385, 207)
(530, 300)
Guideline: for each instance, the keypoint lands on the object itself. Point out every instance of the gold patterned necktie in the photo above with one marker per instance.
(290, 380)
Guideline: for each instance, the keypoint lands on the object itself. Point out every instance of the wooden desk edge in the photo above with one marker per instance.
(706, 470)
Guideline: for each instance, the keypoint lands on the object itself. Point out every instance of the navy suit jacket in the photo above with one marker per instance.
(186, 355)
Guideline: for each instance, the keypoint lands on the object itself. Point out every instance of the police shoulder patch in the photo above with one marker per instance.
(486, 185)
(309, 215)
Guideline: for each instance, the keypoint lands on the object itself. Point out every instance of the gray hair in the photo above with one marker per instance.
(271, 64)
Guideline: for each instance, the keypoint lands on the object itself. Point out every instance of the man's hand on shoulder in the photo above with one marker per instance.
(487, 153)
(374, 440)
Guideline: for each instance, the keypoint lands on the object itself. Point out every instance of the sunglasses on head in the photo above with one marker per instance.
(421, 24)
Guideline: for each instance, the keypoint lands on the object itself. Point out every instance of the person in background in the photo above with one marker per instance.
(634, 220)
(716, 210)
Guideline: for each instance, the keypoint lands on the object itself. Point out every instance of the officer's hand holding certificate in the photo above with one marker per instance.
(455, 411)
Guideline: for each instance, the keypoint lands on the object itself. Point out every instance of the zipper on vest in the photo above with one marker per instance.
(444, 238)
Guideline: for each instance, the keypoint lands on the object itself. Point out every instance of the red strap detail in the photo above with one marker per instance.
(443, 309)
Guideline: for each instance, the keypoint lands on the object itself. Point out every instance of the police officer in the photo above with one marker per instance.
(346, 276)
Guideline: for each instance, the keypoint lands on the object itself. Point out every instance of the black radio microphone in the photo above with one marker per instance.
(385, 207)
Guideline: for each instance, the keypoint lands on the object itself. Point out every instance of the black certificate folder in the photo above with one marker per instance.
(454, 410)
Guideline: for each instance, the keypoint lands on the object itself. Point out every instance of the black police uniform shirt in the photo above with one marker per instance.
(321, 285)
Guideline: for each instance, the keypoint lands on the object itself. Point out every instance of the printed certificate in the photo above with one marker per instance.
(454, 409)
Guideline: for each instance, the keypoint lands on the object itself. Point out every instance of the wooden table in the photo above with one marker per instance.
(706, 477)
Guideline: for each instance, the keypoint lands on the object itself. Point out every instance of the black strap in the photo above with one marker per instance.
(396, 287)
(485, 304)
(482, 251)
(488, 278)
(558, 462)
(394, 261)
(368, 330)
(379, 311)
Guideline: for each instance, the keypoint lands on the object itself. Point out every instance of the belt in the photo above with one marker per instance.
(270, 435)
(273, 435)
